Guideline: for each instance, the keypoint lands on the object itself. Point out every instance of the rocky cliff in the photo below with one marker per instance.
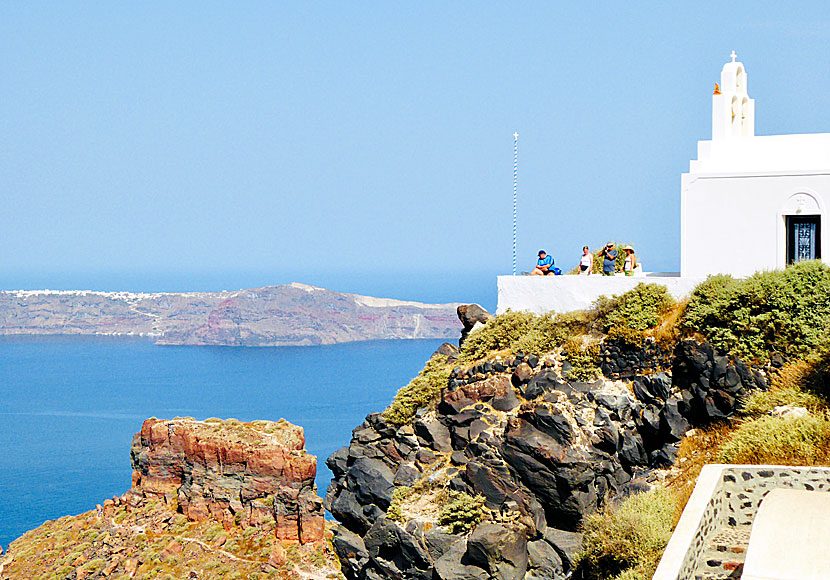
(239, 474)
(541, 450)
(293, 314)
(210, 499)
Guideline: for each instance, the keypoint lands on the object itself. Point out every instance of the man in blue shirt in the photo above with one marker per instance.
(609, 259)
(544, 266)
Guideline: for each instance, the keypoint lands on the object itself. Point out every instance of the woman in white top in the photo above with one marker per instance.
(586, 262)
(630, 261)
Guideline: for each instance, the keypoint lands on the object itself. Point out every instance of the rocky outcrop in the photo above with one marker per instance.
(239, 474)
(542, 451)
(291, 314)
(471, 315)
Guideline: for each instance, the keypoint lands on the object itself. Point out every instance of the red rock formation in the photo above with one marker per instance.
(239, 474)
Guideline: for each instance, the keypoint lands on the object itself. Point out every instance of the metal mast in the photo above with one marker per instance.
(515, 192)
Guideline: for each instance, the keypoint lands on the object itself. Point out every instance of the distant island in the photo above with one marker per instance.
(286, 315)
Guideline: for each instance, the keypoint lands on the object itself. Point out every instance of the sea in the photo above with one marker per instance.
(69, 407)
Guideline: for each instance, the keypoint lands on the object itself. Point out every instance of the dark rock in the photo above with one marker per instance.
(544, 560)
(607, 438)
(406, 475)
(542, 382)
(459, 458)
(349, 512)
(397, 553)
(453, 564)
(660, 385)
(469, 314)
(500, 550)
(673, 425)
(373, 481)
(551, 422)
(567, 544)
(632, 451)
(777, 360)
(435, 434)
(664, 457)
(641, 392)
(351, 551)
(533, 360)
(438, 541)
(338, 462)
(506, 403)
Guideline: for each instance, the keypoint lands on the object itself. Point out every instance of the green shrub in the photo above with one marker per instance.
(626, 541)
(420, 392)
(462, 512)
(639, 309)
(583, 360)
(499, 333)
(786, 311)
(780, 441)
(399, 495)
(523, 332)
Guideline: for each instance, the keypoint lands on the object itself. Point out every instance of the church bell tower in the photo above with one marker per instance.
(733, 112)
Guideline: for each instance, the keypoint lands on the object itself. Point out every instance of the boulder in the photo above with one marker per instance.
(351, 551)
(396, 553)
(434, 435)
(373, 481)
(500, 550)
(543, 560)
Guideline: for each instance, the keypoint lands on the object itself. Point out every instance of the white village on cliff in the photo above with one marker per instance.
(748, 203)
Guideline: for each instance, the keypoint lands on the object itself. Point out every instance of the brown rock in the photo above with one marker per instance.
(130, 567)
(278, 556)
(238, 474)
(111, 567)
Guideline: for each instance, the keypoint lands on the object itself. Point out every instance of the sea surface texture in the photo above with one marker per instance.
(69, 407)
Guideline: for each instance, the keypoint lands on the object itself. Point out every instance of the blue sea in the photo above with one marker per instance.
(70, 406)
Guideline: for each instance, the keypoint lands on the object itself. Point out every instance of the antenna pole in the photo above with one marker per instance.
(515, 192)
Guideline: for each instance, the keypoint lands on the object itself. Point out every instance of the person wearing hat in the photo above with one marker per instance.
(544, 265)
(609, 259)
(630, 261)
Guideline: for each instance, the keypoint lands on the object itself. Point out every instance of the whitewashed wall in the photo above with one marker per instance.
(737, 194)
(539, 294)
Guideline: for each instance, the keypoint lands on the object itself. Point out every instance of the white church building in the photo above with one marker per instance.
(779, 185)
(748, 203)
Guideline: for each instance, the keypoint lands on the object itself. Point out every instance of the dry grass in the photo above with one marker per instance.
(780, 441)
(627, 540)
(164, 544)
(696, 451)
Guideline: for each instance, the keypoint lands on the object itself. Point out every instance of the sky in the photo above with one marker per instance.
(367, 146)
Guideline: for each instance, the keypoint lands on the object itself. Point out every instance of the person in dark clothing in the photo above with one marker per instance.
(609, 259)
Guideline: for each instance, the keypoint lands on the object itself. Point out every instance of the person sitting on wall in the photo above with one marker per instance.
(609, 259)
(586, 262)
(544, 266)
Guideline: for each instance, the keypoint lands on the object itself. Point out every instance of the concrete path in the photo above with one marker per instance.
(790, 537)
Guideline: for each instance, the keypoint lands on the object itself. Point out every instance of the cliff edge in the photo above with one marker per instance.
(210, 499)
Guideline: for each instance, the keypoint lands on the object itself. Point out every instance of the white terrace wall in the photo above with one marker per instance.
(728, 495)
(539, 294)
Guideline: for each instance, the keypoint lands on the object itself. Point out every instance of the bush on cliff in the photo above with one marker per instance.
(626, 541)
(462, 512)
(420, 392)
(786, 311)
(780, 441)
(628, 316)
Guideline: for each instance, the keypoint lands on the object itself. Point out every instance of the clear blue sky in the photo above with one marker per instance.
(367, 146)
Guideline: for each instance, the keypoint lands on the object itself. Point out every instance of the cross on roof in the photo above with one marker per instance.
(734, 56)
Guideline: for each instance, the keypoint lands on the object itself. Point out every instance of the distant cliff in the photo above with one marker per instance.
(287, 315)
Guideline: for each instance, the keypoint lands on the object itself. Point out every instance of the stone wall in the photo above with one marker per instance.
(239, 474)
(728, 496)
